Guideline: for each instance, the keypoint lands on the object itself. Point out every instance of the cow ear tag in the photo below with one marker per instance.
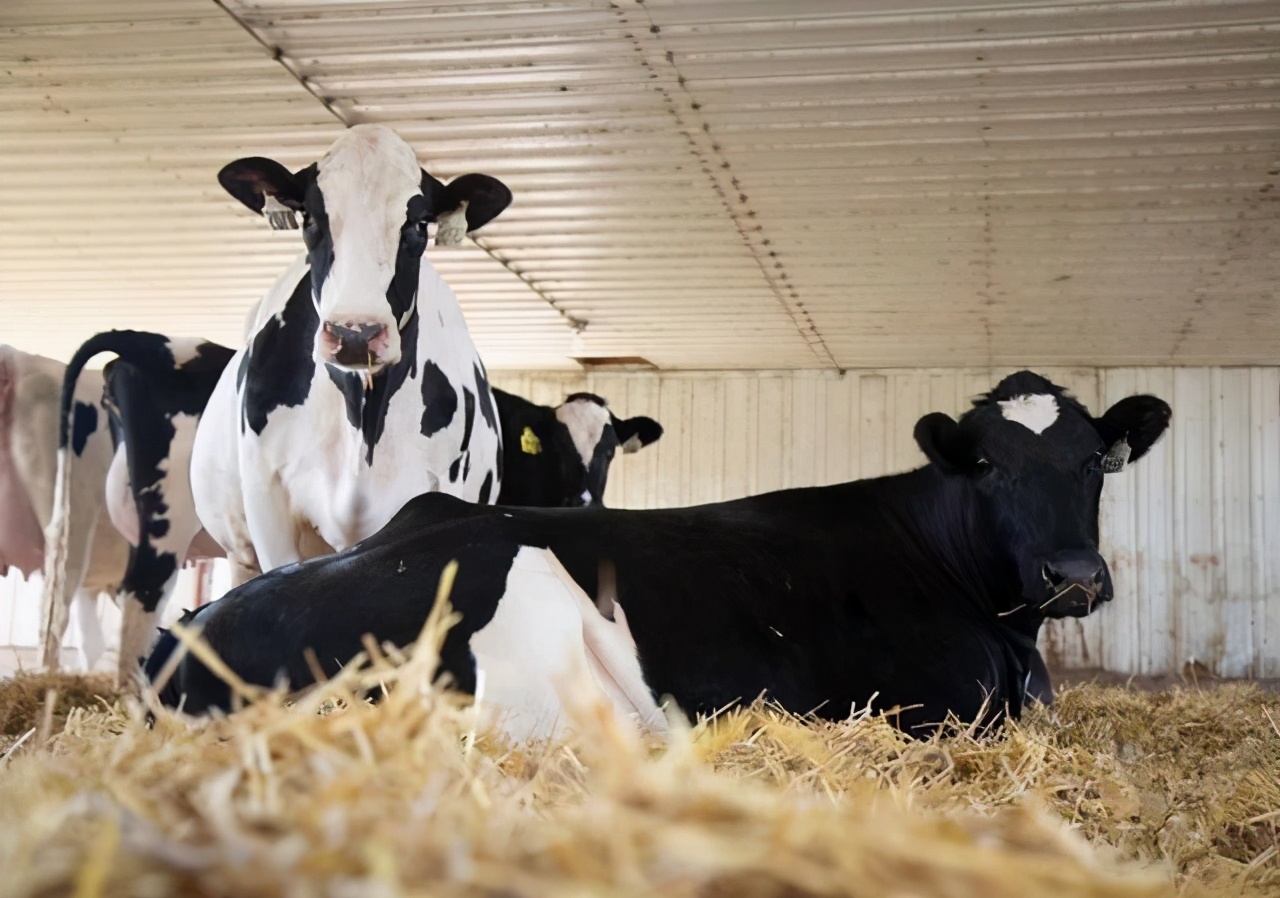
(529, 442)
(451, 228)
(279, 216)
(1117, 456)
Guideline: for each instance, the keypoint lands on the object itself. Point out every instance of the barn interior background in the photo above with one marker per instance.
(785, 230)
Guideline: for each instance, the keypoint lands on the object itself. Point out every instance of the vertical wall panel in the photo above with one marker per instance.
(1266, 501)
(1235, 622)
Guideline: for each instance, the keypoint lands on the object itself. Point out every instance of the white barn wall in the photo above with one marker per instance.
(1192, 533)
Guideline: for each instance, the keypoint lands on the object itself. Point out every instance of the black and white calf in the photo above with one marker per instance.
(560, 456)
(921, 592)
(156, 390)
(360, 386)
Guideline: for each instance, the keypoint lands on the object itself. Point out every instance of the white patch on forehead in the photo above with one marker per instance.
(367, 167)
(1034, 411)
(585, 421)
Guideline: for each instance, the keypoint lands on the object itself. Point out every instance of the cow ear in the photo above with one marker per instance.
(265, 186)
(940, 439)
(1137, 421)
(467, 204)
(636, 433)
(485, 197)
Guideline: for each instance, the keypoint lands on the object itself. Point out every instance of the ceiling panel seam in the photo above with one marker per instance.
(735, 200)
(278, 54)
(577, 325)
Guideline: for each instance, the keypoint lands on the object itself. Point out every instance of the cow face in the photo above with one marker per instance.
(589, 436)
(1036, 460)
(366, 207)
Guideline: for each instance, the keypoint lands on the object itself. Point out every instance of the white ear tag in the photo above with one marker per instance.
(1117, 456)
(279, 216)
(451, 228)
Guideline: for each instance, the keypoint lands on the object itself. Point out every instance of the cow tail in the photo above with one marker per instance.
(129, 346)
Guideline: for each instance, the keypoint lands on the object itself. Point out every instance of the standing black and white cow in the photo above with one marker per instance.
(360, 386)
(95, 552)
(156, 390)
(560, 456)
(920, 592)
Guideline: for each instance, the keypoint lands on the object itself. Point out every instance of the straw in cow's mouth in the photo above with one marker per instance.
(1089, 594)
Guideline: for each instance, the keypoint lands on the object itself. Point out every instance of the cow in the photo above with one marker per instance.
(359, 386)
(920, 594)
(156, 390)
(560, 456)
(96, 553)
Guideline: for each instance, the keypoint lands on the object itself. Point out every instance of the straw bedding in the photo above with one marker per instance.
(1113, 793)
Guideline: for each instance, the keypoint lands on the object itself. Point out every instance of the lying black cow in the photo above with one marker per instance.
(921, 591)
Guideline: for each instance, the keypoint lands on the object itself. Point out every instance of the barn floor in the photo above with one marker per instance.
(1115, 792)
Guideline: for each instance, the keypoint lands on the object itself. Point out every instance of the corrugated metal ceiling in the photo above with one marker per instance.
(714, 183)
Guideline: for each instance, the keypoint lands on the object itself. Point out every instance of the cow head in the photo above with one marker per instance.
(560, 457)
(594, 435)
(1036, 459)
(366, 207)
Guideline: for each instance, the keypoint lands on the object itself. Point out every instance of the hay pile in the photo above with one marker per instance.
(25, 700)
(334, 797)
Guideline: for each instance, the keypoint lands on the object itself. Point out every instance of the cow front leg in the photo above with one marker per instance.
(272, 530)
(242, 573)
(93, 643)
(136, 635)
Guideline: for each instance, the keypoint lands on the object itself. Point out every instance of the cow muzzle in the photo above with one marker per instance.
(1075, 582)
(355, 346)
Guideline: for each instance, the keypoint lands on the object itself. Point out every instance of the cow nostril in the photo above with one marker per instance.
(1051, 576)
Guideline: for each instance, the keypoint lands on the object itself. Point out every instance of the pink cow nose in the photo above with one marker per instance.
(355, 345)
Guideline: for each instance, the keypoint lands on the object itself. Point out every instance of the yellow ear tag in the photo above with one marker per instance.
(529, 442)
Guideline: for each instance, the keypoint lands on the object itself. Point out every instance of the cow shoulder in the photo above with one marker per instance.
(278, 368)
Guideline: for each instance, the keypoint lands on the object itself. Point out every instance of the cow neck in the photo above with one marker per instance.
(368, 400)
(946, 520)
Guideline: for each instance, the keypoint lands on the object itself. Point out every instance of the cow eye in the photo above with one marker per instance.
(421, 227)
(1094, 462)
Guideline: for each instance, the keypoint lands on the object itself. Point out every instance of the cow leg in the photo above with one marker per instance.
(136, 633)
(241, 573)
(92, 641)
(547, 648)
(273, 534)
(168, 525)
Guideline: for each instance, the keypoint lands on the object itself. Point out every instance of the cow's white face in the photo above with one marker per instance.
(597, 434)
(366, 207)
(362, 222)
